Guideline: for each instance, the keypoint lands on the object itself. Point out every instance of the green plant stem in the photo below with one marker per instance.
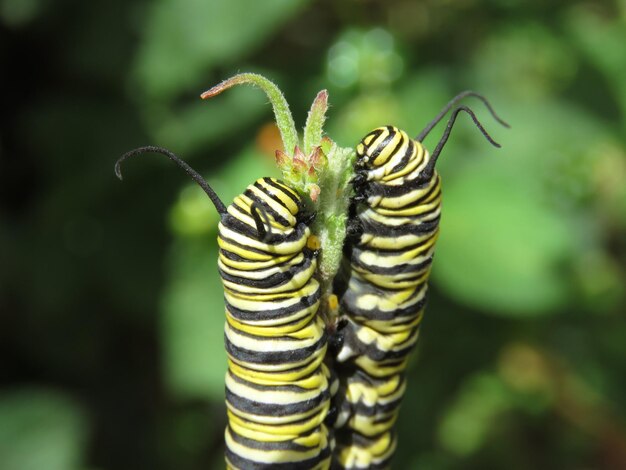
(332, 215)
(284, 119)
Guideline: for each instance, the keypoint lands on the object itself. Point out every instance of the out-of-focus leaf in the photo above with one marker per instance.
(361, 115)
(41, 429)
(186, 38)
(199, 123)
(194, 214)
(599, 36)
(193, 322)
(501, 248)
(527, 60)
(528, 370)
(516, 221)
(193, 306)
(18, 13)
(368, 58)
(432, 461)
(417, 100)
(422, 95)
(470, 418)
(601, 280)
(241, 171)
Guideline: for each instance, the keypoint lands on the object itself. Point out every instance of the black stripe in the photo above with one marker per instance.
(261, 315)
(398, 269)
(389, 357)
(280, 338)
(284, 189)
(350, 299)
(249, 406)
(287, 444)
(392, 231)
(420, 201)
(289, 356)
(230, 241)
(274, 197)
(276, 296)
(262, 202)
(362, 409)
(375, 135)
(385, 143)
(279, 388)
(358, 376)
(245, 463)
(273, 280)
(276, 239)
(383, 188)
(382, 252)
(397, 147)
(408, 155)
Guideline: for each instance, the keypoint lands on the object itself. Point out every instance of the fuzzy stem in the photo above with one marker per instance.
(332, 216)
(284, 119)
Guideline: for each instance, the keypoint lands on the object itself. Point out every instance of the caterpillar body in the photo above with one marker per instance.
(277, 385)
(397, 209)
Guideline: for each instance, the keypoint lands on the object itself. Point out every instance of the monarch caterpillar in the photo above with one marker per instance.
(277, 386)
(397, 210)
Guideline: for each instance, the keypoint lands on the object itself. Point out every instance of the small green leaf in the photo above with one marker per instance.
(465, 427)
(315, 122)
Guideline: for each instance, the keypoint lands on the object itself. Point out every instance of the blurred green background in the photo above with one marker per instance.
(111, 314)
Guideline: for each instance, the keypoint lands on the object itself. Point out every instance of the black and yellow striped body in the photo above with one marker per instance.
(277, 386)
(390, 258)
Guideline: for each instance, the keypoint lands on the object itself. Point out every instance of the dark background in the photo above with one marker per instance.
(111, 353)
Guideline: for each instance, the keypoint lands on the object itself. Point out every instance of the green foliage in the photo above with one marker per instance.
(330, 222)
(110, 290)
(473, 414)
(522, 258)
(41, 429)
(282, 114)
(184, 39)
(366, 58)
(195, 360)
(199, 124)
(193, 328)
(18, 13)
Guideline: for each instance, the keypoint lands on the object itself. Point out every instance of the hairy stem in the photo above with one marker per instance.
(284, 119)
(332, 216)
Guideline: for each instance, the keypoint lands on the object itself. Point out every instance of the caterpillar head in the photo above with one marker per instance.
(378, 147)
(388, 154)
(265, 221)
(268, 210)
